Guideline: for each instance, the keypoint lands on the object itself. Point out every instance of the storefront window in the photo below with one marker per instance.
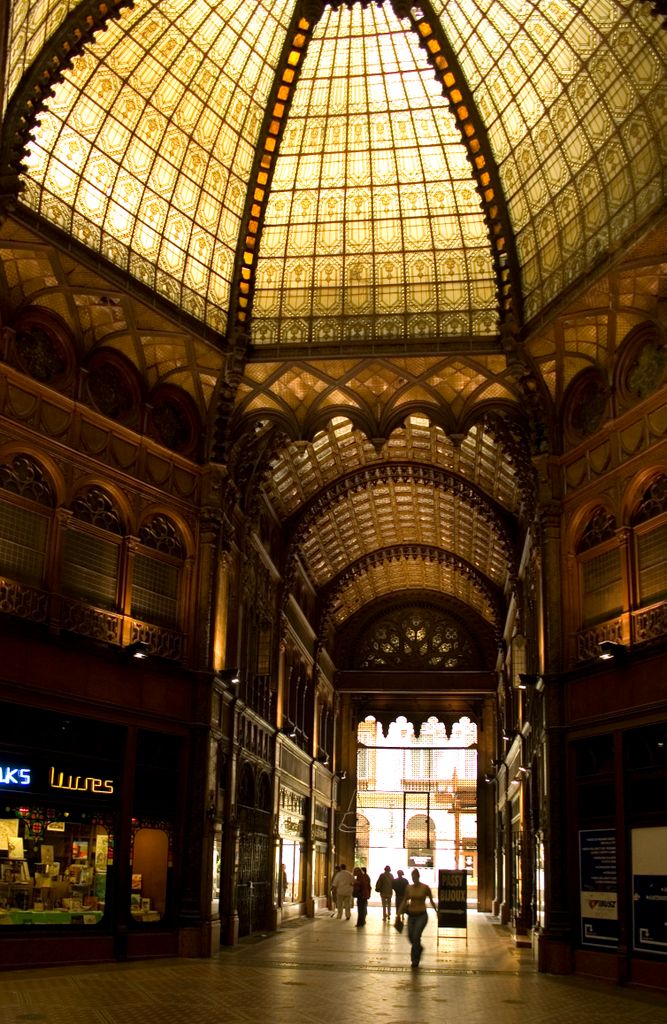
(291, 872)
(150, 864)
(53, 869)
(321, 884)
(156, 788)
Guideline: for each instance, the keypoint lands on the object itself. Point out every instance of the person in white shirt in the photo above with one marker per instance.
(343, 883)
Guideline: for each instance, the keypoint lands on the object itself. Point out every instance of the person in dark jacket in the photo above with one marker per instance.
(385, 886)
(400, 885)
(362, 892)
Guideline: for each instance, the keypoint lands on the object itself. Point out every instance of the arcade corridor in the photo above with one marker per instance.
(325, 970)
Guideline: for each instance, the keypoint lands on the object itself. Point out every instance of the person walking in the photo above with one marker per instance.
(362, 891)
(414, 904)
(400, 885)
(385, 886)
(343, 883)
(333, 890)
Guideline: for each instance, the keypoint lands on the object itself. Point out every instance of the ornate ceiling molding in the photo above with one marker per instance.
(416, 552)
(394, 473)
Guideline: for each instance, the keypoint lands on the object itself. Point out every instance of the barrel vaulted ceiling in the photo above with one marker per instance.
(374, 242)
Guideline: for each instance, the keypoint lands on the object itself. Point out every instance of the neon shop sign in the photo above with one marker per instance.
(14, 776)
(80, 783)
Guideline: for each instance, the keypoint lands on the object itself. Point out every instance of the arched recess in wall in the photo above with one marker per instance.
(41, 345)
(27, 502)
(600, 570)
(649, 533)
(92, 549)
(641, 368)
(157, 575)
(585, 406)
(112, 386)
(174, 420)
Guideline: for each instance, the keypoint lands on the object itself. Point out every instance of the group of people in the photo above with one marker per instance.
(411, 900)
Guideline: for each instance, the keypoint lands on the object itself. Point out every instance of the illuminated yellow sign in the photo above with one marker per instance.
(80, 783)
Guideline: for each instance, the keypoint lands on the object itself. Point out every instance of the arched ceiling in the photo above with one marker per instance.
(420, 513)
(374, 243)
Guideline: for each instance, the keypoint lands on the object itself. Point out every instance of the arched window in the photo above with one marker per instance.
(649, 523)
(415, 637)
(157, 572)
(601, 569)
(25, 516)
(420, 840)
(92, 550)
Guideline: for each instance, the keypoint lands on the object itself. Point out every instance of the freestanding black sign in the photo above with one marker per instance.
(452, 899)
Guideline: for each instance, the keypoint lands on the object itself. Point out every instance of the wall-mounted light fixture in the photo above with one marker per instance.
(341, 776)
(229, 676)
(497, 761)
(489, 778)
(608, 649)
(524, 771)
(323, 759)
(289, 731)
(529, 682)
(137, 649)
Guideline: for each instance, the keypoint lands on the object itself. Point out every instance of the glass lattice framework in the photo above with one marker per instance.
(144, 151)
(31, 24)
(572, 95)
(374, 226)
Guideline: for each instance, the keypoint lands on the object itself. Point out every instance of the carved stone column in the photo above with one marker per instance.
(485, 807)
(347, 759)
(554, 949)
(210, 534)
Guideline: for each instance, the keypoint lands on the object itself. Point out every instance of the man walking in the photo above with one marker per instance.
(400, 885)
(385, 886)
(343, 883)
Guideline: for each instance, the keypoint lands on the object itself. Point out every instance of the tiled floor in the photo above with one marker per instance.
(326, 971)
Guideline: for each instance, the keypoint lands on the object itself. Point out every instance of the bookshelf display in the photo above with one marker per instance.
(52, 872)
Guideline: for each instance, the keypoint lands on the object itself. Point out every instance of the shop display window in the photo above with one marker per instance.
(291, 872)
(156, 789)
(53, 867)
(151, 860)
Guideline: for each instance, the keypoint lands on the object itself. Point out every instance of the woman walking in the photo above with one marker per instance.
(414, 905)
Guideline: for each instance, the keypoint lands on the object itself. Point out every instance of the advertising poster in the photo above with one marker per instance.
(598, 888)
(649, 889)
(452, 899)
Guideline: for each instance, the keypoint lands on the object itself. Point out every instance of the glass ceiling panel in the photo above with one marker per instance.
(31, 23)
(573, 97)
(144, 151)
(374, 226)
